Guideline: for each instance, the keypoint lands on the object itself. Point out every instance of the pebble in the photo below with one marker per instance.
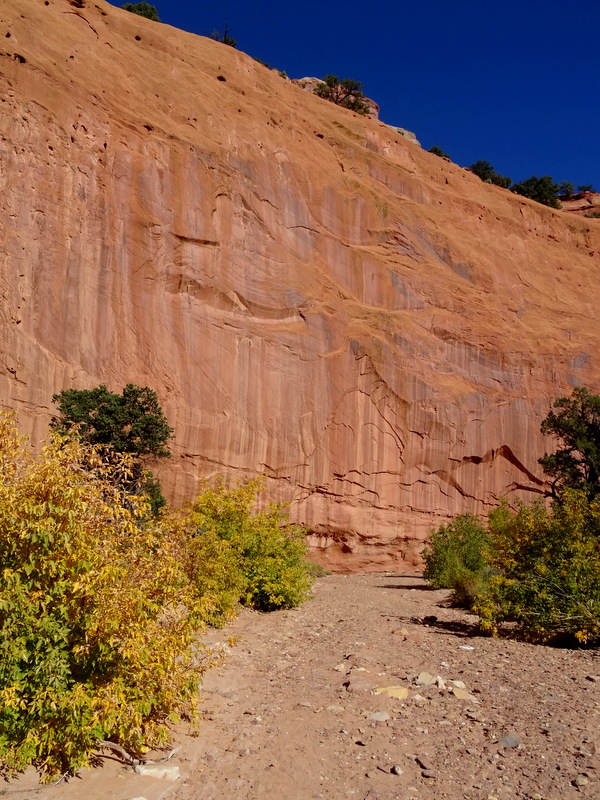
(359, 684)
(379, 716)
(428, 773)
(398, 692)
(581, 780)
(396, 770)
(510, 741)
(425, 679)
(160, 771)
(463, 694)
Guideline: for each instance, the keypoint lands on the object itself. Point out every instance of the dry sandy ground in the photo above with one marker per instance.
(292, 713)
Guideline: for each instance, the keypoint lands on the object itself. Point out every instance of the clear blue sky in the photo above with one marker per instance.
(515, 83)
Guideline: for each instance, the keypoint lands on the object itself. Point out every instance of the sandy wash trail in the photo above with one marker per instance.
(293, 713)
(296, 711)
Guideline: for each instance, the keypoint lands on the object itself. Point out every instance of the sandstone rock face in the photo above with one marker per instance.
(312, 296)
(407, 135)
(583, 204)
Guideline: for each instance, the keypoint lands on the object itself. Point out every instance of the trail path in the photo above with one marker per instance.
(291, 713)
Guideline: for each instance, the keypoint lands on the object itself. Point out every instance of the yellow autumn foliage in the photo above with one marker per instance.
(98, 620)
(547, 571)
(102, 603)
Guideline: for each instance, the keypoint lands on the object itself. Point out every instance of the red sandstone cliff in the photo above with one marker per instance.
(311, 295)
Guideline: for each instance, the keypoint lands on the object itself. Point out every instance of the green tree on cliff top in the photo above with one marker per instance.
(142, 10)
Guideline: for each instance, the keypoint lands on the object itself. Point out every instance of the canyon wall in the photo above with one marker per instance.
(310, 294)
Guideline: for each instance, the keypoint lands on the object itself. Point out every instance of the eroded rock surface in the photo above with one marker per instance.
(311, 295)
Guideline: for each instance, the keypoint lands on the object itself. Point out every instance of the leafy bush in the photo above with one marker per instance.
(266, 556)
(224, 37)
(456, 558)
(316, 570)
(549, 586)
(485, 171)
(98, 622)
(437, 151)
(143, 10)
(543, 190)
(101, 605)
(345, 92)
(566, 190)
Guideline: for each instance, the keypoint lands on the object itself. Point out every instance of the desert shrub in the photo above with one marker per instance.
(566, 190)
(549, 564)
(266, 555)
(316, 570)
(97, 619)
(543, 190)
(437, 151)
(224, 37)
(143, 10)
(211, 563)
(345, 92)
(456, 558)
(485, 171)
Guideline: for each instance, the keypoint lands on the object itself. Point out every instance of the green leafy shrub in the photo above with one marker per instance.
(224, 37)
(566, 190)
(543, 190)
(143, 10)
(266, 556)
(548, 588)
(98, 623)
(437, 151)
(345, 92)
(101, 605)
(456, 558)
(485, 171)
(317, 570)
